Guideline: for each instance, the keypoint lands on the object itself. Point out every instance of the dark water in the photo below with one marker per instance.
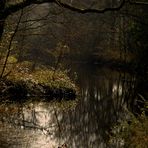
(105, 96)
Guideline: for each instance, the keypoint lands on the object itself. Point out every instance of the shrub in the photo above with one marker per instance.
(133, 133)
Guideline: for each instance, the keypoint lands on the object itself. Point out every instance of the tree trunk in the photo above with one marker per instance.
(2, 22)
(2, 19)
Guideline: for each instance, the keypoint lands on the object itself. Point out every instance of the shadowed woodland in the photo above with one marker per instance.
(91, 54)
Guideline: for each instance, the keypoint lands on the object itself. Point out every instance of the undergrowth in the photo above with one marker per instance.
(132, 133)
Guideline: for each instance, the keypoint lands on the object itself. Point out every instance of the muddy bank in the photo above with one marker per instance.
(22, 86)
(21, 91)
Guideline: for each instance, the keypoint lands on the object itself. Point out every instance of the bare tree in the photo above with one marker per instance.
(7, 9)
(10, 44)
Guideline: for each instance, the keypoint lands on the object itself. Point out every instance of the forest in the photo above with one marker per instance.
(81, 66)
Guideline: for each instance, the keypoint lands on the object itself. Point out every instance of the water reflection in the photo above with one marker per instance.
(29, 125)
(104, 99)
(104, 92)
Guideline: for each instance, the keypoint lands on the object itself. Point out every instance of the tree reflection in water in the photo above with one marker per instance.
(30, 125)
(105, 95)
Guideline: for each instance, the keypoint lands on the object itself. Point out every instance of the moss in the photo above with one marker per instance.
(12, 59)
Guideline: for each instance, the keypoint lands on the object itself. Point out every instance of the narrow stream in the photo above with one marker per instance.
(105, 96)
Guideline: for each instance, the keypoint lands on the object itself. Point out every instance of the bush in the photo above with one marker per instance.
(133, 133)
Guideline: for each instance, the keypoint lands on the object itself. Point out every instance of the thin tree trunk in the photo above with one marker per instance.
(2, 20)
(10, 44)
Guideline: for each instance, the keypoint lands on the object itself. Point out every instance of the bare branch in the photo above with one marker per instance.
(10, 44)
(91, 10)
(135, 2)
(18, 6)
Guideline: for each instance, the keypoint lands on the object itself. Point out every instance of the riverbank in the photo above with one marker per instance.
(131, 133)
(110, 58)
(20, 85)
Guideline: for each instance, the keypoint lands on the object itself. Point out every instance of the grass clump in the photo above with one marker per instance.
(40, 82)
(44, 77)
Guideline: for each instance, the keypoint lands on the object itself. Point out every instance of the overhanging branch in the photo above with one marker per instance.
(18, 6)
(136, 2)
(90, 10)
